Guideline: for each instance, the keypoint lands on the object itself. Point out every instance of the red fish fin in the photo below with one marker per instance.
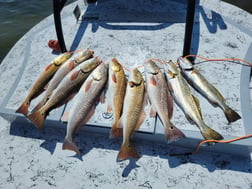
(152, 112)
(65, 117)
(126, 152)
(102, 97)
(88, 85)
(70, 145)
(109, 108)
(89, 115)
(115, 131)
(114, 78)
(170, 105)
(38, 106)
(153, 81)
(140, 119)
(71, 65)
(37, 118)
(23, 109)
(74, 75)
(48, 67)
(172, 133)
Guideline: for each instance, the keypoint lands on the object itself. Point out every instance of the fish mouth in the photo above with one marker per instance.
(184, 64)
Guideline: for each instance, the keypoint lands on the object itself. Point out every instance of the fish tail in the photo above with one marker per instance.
(23, 108)
(231, 115)
(172, 133)
(37, 118)
(38, 106)
(127, 151)
(70, 145)
(115, 131)
(210, 134)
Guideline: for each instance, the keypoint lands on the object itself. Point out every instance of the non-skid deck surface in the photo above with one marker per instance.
(133, 32)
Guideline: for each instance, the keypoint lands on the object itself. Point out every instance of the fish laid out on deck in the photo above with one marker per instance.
(84, 104)
(161, 100)
(204, 87)
(117, 83)
(187, 102)
(65, 91)
(39, 85)
(70, 64)
(133, 113)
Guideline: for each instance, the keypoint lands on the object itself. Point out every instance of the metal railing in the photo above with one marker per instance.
(59, 4)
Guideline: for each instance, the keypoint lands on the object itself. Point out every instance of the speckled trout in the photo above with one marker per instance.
(209, 91)
(187, 102)
(161, 99)
(38, 87)
(65, 91)
(116, 92)
(84, 104)
(133, 113)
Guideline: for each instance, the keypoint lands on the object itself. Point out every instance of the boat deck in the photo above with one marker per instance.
(132, 32)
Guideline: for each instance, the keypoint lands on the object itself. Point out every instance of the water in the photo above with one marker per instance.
(18, 16)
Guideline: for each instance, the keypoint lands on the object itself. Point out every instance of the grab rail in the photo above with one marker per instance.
(59, 4)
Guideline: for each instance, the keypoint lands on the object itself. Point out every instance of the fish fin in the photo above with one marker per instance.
(102, 97)
(114, 78)
(74, 75)
(23, 108)
(210, 134)
(172, 133)
(127, 151)
(231, 115)
(170, 105)
(153, 112)
(170, 89)
(48, 67)
(115, 131)
(153, 81)
(109, 108)
(71, 65)
(70, 145)
(37, 118)
(46, 86)
(196, 100)
(65, 117)
(189, 119)
(88, 85)
(38, 106)
(140, 119)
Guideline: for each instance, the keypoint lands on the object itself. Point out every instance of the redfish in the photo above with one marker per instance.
(161, 99)
(38, 87)
(84, 104)
(65, 91)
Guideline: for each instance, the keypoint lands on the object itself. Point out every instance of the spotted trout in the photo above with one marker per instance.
(84, 104)
(116, 92)
(70, 64)
(38, 87)
(65, 91)
(209, 91)
(133, 113)
(187, 102)
(161, 99)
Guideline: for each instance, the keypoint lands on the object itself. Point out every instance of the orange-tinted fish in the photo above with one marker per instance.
(116, 92)
(66, 89)
(133, 113)
(70, 64)
(39, 85)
